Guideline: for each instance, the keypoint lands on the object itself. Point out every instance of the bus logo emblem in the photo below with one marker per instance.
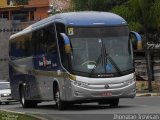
(106, 86)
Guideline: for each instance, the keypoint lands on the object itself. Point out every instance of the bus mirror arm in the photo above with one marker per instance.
(66, 43)
(136, 40)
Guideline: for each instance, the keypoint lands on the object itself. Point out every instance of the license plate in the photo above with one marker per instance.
(106, 94)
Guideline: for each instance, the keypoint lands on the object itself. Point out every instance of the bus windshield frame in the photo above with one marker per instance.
(100, 51)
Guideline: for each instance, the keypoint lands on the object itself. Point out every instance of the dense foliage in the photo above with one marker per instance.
(143, 16)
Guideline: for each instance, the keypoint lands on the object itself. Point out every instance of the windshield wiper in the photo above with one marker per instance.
(114, 64)
(104, 56)
(108, 57)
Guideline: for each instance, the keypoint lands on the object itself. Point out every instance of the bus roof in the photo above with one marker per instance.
(86, 18)
(91, 18)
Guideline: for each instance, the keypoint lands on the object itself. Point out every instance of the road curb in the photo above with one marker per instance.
(23, 113)
(147, 94)
(36, 116)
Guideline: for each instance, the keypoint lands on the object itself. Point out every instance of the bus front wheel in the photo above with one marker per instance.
(59, 103)
(114, 102)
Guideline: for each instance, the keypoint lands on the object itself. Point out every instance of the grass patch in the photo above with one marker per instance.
(15, 116)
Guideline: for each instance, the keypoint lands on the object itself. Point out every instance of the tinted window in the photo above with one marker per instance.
(21, 46)
(44, 40)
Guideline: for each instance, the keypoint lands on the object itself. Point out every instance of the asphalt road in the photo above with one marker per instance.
(91, 111)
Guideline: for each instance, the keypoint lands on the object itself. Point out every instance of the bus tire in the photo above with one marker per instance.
(7, 103)
(114, 102)
(33, 104)
(24, 102)
(102, 103)
(59, 103)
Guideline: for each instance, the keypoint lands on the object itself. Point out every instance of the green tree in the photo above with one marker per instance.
(126, 12)
(142, 15)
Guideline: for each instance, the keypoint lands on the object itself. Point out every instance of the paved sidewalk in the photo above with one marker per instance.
(140, 94)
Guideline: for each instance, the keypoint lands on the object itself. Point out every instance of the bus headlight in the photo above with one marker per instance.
(72, 77)
(81, 84)
(129, 82)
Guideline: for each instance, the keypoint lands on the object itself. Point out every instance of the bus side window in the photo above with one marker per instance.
(36, 42)
(27, 45)
(21, 46)
(50, 39)
(44, 40)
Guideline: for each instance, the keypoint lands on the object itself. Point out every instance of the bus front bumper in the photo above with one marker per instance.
(94, 93)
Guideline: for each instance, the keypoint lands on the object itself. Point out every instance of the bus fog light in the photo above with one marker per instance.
(129, 82)
(77, 93)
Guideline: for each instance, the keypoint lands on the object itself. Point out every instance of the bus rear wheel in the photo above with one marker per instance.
(26, 103)
(59, 103)
(7, 103)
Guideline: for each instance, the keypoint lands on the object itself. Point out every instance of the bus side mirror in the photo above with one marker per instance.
(66, 43)
(136, 40)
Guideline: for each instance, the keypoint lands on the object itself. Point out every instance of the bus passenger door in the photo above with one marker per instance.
(65, 85)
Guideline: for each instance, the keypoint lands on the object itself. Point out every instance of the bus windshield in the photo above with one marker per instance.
(101, 50)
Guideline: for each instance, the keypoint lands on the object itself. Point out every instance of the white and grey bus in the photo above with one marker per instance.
(73, 57)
